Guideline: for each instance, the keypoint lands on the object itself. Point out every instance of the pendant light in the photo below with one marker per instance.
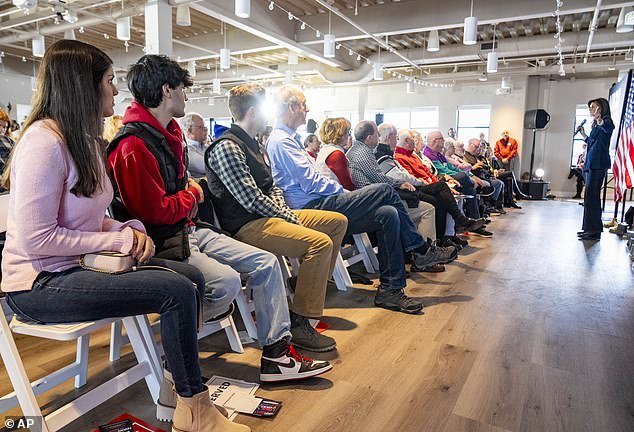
(38, 46)
(433, 43)
(329, 41)
(243, 8)
(470, 36)
(183, 16)
(123, 28)
(621, 27)
(225, 53)
(492, 57)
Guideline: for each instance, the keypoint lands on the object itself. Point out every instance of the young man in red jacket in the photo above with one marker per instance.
(148, 162)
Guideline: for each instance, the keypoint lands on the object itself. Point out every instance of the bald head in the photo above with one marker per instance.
(435, 141)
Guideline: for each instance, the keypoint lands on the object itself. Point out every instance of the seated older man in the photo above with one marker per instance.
(428, 187)
(480, 168)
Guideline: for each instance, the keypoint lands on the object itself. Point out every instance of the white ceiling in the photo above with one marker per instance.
(524, 37)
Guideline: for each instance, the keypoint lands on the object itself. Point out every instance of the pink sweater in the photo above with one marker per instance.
(48, 227)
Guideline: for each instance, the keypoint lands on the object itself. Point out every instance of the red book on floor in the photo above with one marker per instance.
(137, 425)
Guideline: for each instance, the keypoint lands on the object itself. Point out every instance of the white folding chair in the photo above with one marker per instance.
(361, 250)
(148, 367)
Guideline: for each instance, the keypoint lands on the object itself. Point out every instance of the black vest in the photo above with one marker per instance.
(231, 214)
(170, 236)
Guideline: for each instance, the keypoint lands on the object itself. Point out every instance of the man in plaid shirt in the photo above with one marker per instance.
(253, 210)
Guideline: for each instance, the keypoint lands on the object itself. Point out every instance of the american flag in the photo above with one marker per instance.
(623, 168)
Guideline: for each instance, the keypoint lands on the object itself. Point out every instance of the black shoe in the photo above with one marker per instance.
(590, 236)
(283, 366)
(306, 337)
(459, 241)
(396, 300)
(482, 233)
(436, 268)
(470, 225)
(515, 205)
(222, 315)
(486, 191)
(500, 210)
(580, 233)
(446, 242)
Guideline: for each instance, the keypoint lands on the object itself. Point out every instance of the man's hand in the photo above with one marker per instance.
(477, 165)
(142, 247)
(505, 160)
(191, 184)
(408, 186)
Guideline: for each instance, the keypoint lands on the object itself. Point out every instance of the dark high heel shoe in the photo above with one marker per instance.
(515, 205)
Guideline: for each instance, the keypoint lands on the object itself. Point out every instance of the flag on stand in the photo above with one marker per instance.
(623, 168)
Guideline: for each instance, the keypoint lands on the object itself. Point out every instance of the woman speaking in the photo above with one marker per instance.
(596, 166)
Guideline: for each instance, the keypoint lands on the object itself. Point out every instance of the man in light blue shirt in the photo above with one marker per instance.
(196, 134)
(375, 208)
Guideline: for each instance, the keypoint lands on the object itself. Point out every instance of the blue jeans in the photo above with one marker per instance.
(223, 260)
(378, 208)
(84, 295)
(467, 187)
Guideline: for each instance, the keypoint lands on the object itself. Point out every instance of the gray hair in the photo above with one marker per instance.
(386, 129)
(188, 121)
(285, 96)
(475, 142)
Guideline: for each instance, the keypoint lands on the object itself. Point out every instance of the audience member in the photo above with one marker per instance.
(480, 168)
(577, 171)
(506, 151)
(6, 143)
(111, 127)
(312, 145)
(375, 208)
(331, 160)
(197, 137)
(148, 164)
(449, 150)
(253, 210)
(60, 191)
(365, 171)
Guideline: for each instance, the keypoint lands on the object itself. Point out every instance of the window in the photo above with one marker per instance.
(472, 121)
(581, 114)
(422, 120)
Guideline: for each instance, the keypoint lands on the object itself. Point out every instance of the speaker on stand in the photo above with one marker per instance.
(535, 119)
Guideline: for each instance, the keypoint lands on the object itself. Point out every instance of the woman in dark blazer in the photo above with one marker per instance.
(596, 167)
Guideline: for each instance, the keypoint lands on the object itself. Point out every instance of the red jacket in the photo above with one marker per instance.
(138, 176)
(504, 150)
(414, 165)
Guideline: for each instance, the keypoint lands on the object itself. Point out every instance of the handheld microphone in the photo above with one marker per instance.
(580, 126)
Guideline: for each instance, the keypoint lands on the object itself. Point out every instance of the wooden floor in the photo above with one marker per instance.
(531, 330)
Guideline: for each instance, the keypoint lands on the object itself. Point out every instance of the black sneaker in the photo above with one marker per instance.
(218, 317)
(290, 366)
(470, 225)
(482, 233)
(434, 255)
(446, 242)
(459, 240)
(396, 300)
(306, 337)
(486, 191)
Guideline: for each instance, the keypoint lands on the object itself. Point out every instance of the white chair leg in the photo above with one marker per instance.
(233, 337)
(83, 343)
(145, 350)
(115, 341)
(364, 247)
(341, 275)
(245, 313)
(17, 374)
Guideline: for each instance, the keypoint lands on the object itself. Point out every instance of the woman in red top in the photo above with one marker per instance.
(331, 159)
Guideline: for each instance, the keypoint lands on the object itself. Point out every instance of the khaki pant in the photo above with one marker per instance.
(316, 242)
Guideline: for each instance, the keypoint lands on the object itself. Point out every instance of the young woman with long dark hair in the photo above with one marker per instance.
(59, 194)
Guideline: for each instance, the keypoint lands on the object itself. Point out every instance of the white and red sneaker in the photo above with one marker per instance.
(290, 366)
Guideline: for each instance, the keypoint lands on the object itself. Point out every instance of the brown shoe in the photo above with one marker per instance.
(198, 414)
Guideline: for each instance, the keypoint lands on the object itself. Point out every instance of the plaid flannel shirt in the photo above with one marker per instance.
(364, 169)
(229, 163)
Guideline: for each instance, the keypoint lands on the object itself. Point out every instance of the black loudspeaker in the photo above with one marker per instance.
(311, 126)
(536, 119)
(378, 118)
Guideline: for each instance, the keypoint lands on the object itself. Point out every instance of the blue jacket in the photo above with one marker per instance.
(598, 152)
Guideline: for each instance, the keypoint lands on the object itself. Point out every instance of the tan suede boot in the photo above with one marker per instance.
(166, 403)
(198, 414)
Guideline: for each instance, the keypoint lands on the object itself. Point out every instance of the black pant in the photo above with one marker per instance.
(439, 195)
(592, 201)
(576, 172)
(508, 178)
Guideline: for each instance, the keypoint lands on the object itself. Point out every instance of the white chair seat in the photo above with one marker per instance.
(60, 332)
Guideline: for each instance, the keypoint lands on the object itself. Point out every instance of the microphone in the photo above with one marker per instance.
(580, 126)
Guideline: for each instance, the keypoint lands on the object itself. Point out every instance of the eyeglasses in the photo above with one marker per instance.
(200, 127)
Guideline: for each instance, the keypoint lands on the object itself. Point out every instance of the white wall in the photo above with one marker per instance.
(553, 145)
